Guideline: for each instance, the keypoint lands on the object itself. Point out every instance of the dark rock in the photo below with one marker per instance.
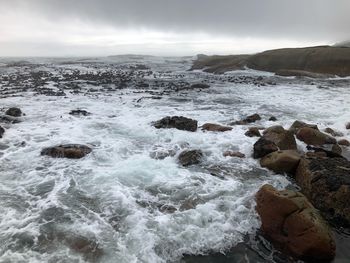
(180, 123)
(314, 137)
(9, 119)
(326, 182)
(72, 151)
(14, 112)
(292, 224)
(190, 157)
(79, 113)
(347, 126)
(2, 131)
(281, 161)
(282, 138)
(299, 124)
(250, 119)
(215, 127)
(253, 132)
(199, 86)
(331, 150)
(273, 118)
(333, 132)
(234, 154)
(263, 147)
(344, 142)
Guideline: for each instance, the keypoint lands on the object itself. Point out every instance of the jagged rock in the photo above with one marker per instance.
(79, 113)
(177, 122)
(344, 142)
(291, 222)
(71, 151)
(233, 154)
(284, 139)
(281, 161)
(215, 127)
(190, 157)
(326, 182)
(314, 137)
(299, 124)
(263, 147)
(253, 132)
(14, 112)
(333, 132)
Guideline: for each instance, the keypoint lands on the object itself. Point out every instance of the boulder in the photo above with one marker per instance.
(177, 122)
(14, 112)
(333, 132)
(190, 157)
(79, 113)
(253, 132)
(292, 224)
(272, 118)
(326, 182)
(233, 154)
(215, 127)
(281, 161)
(314, 137)
(347, 126)
(299, 124)
(263, 147)
(2, 131)
(284, 139)
(71, 151)
(344, 142)
(250, 119)
(331, 150)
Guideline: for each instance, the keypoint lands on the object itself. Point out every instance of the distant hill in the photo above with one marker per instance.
(331, 60)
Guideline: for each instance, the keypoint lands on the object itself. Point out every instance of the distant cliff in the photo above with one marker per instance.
(322, 59)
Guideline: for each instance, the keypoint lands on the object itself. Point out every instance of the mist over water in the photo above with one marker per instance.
(119, 203)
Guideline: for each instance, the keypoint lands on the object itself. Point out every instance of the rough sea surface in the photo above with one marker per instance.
(122, 203)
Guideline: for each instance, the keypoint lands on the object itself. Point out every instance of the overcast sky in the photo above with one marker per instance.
(167, 27)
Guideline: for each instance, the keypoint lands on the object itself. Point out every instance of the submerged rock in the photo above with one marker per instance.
(263, 147)
(292, 224)
(190, 157)
(72, 151)
(79, 112)
(233, 154)
(326, 182)
(314, 137)
(215, 127)
(177, 122)
(281, 161)
(199, 86)
(14, 112)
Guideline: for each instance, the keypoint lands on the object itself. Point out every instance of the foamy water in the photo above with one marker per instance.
(112, 196)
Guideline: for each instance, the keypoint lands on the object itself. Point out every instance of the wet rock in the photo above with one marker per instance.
(284, 139)
(292, 224)
(9, 119)
(263, 147)
(344, 142)
(79, 113)
(347, 126)
(281, 161)
(215, 127)
(314, 137)
(55, 214)
(72, 151)
(326, 182)
(167, 209)
(190, 157)
(2, 131)
(199, 86)
(177, 122)
(253, 132)
(299, 124)
(331, 150)
(315, 155)
(14, 112)
(272, 118)
(233, 154)
(190, 203)
(333, 132)
(250, 119)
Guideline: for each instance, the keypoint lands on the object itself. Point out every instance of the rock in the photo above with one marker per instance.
(79, 113)
(314, 137)
(177, 122)
(347, 126)
(215, 127)
(281, 161)
(326, 182)
(190, 157)
(14, 112)
(253, 132)
(291, 222)
(9, 119)
(299, 124)
(2, 131)
(234, 154)
(303, 73)
(333, 132)
(282, 138)
(315, 155)
(263, 147)
(344, 142)
(272, 118)
(199, 86)
(331, 150)
(71, 151)
(250, 119)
